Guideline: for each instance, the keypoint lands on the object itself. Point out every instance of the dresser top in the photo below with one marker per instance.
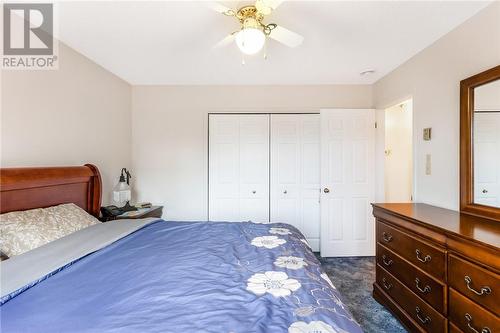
(466, 226)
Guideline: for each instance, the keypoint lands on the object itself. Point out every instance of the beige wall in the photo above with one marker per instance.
(432, 78)
(170, 138)
(77, 114)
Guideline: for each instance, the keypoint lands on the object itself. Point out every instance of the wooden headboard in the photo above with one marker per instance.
(29, 188)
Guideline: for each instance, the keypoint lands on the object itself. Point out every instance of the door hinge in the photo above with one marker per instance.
(375, 124)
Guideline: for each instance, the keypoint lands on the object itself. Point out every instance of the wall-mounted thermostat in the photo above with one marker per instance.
(427, 134)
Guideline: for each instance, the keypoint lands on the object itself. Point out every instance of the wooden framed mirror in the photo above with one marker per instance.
(480, 144)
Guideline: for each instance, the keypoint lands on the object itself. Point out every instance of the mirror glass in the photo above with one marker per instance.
(486, 151)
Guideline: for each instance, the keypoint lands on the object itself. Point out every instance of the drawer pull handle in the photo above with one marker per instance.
(385, 261)
(468, 317)
(425, 290)
(386, 284)
(387, 237)
(427, 258)
(424, 320)
(484, 290)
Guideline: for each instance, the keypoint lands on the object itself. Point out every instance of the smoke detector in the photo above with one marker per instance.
(367, 72)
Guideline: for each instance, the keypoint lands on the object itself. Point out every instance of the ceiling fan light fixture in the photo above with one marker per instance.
(250, 40)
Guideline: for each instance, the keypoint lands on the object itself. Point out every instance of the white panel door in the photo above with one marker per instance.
(239, 168)
(487, 158)
(347, 182)
(295, 173)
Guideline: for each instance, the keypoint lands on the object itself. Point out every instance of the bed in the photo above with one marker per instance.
(156, 276)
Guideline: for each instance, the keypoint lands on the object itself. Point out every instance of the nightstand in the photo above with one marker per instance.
(154, 211)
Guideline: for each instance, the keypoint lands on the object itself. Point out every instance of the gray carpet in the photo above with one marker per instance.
(354, 277)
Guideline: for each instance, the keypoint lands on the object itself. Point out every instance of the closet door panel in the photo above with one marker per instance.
(254, 168)
(287, 162)
(285, 190)
(239, 168)
(224, 168)
(295, 173)
(311, 216)
(225, 209)
(310, 178)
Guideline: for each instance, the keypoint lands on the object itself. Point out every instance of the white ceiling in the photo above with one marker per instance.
(167, 42)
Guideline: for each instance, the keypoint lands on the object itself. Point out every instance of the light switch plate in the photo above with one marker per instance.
(427, 134)
(428, 169)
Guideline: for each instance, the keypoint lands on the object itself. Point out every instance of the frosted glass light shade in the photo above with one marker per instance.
(121, 193)
(250, 40)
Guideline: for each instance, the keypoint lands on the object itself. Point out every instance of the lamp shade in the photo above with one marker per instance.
(121, 193)
(250, 40)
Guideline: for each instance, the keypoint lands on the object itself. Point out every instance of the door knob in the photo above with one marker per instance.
(485, 191)
(254, 191)
(326, 190)
(285, 192)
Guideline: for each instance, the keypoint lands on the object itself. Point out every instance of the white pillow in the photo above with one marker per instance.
(23, 231)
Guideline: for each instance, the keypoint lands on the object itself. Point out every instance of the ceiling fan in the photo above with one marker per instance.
(251, 38)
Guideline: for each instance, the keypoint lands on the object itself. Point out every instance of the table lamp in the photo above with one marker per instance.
(122, 193)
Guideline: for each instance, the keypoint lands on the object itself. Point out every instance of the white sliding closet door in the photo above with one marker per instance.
(239, 168)
(348, 182)
(295, 173)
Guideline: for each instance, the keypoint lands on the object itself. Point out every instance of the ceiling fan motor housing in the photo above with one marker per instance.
(249, 12)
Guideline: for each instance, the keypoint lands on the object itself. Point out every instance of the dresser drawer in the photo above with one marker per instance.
(475, 282)
(468, 316)
(419, 282)
(423, 255)
(452, 328)
(422, 313)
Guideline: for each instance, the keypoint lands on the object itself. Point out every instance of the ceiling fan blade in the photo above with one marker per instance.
(267, 6)
(285, 36)
(226, 41)
(219, 8)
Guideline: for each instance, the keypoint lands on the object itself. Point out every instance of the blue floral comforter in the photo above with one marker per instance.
(188, 277)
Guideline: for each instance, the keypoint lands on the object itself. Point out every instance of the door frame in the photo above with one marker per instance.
(415, 137)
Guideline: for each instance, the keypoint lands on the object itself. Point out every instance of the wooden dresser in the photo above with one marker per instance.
(438, 270)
